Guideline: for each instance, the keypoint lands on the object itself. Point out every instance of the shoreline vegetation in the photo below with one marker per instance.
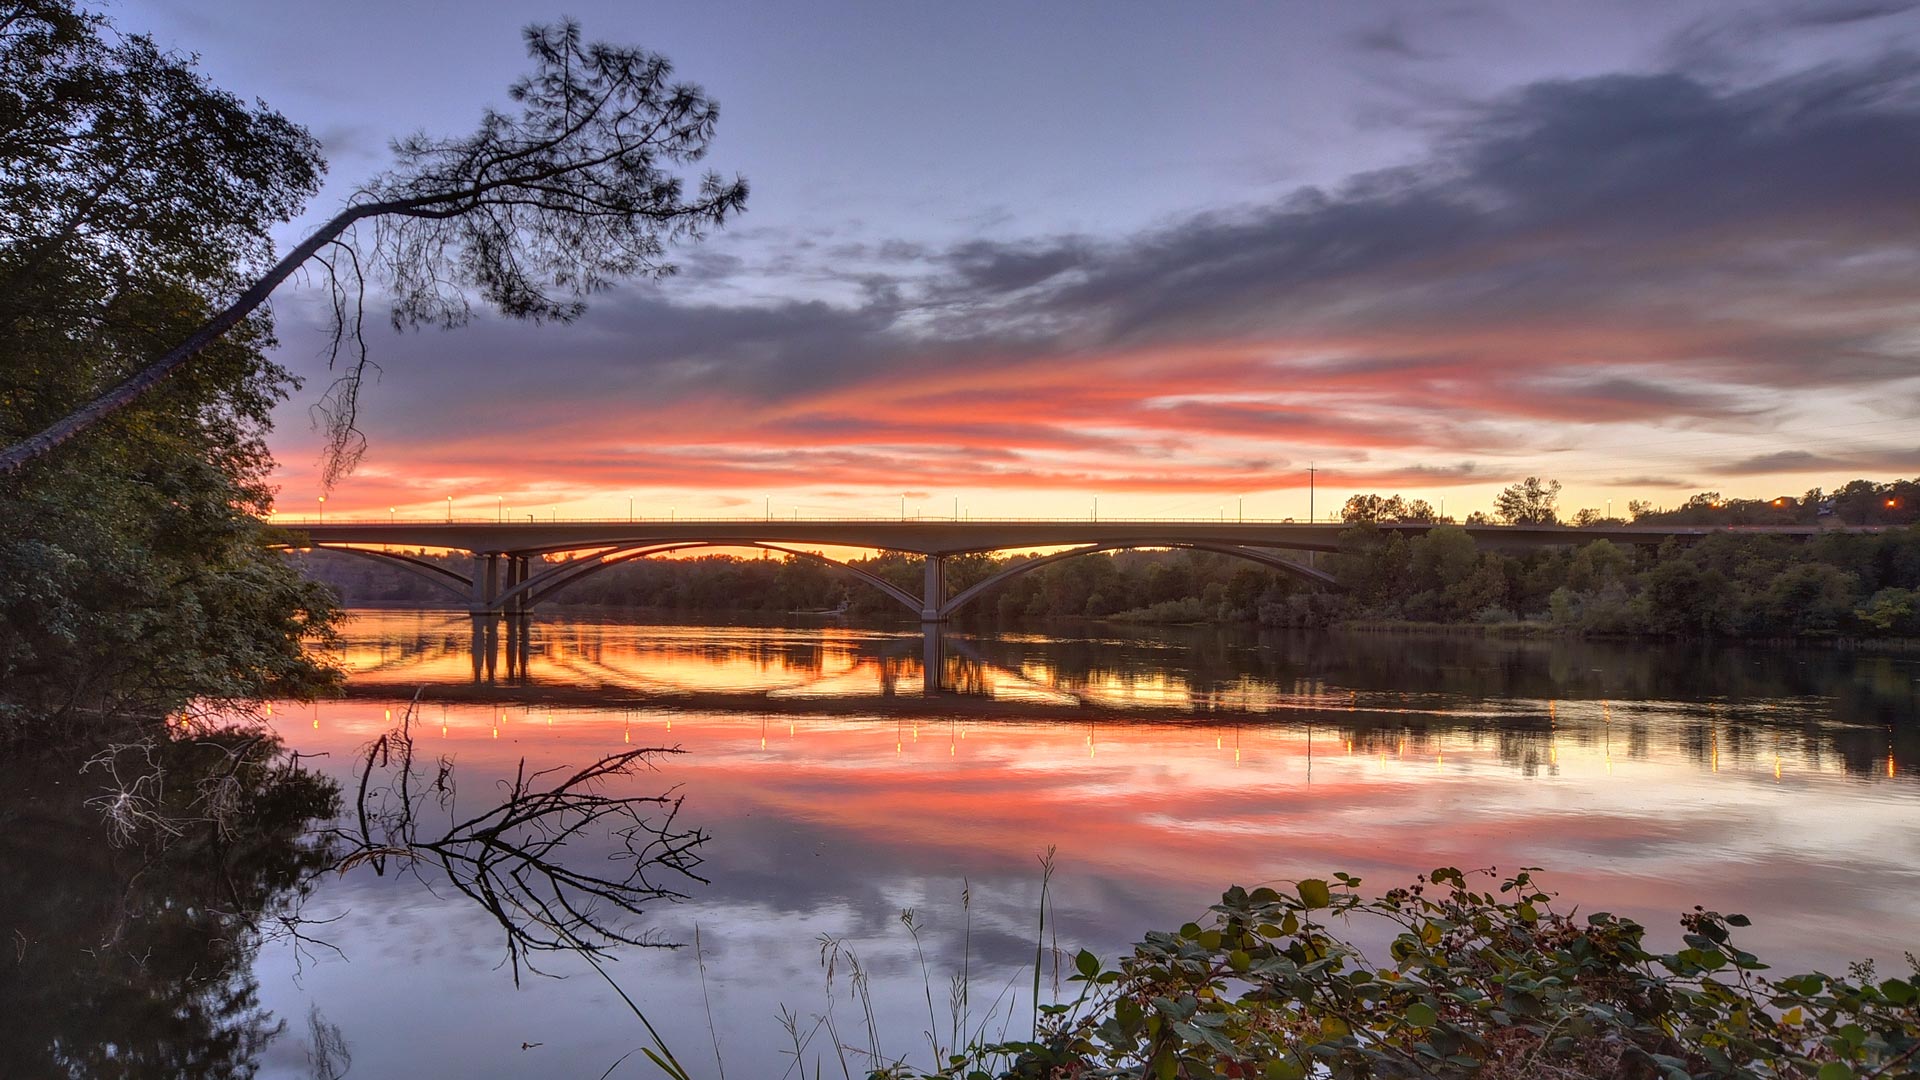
(1482, 978)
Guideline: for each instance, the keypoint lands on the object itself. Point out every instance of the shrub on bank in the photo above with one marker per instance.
(1482, 981)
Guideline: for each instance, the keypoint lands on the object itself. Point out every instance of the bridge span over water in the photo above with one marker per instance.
(510, 573)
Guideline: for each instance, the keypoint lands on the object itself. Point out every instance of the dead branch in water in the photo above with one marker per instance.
(525, 859)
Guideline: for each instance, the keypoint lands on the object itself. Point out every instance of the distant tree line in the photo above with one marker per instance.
(1534, 501)
(1835, 583)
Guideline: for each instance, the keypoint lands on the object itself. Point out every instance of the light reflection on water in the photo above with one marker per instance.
(846, 773)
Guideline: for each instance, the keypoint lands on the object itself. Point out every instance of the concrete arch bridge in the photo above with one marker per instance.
(510, 576)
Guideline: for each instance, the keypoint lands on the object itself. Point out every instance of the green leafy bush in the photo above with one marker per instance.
(1481, 980)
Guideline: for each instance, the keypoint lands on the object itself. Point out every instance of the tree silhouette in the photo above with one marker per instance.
(535, 210)
(1530, 502)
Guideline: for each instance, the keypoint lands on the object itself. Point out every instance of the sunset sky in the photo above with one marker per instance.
(1018, 257)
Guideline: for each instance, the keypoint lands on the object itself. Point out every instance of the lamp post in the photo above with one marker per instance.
(323, 509)
(389, 515)
(449, 509)
(629, 508)
(500, 509)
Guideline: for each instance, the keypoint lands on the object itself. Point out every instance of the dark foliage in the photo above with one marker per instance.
(133, 571)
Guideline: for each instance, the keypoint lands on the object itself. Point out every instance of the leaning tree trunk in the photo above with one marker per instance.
(15, 457)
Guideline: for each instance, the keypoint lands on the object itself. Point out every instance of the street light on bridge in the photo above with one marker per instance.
(389, 515)
(323, 509)
(449, 509)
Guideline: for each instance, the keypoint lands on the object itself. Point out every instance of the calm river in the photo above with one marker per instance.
(841, 780)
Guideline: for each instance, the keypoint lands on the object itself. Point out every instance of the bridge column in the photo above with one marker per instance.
(933, 589)
(486, 583)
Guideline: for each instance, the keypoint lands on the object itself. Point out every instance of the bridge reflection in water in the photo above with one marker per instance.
(502, 652)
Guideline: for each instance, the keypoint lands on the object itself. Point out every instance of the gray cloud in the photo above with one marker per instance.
(1651, 481)
(1390, 39)
(1645, 197)
(1732, 40)
(1869, 461)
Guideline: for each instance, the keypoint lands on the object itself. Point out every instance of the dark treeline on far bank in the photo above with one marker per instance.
(1832, 584)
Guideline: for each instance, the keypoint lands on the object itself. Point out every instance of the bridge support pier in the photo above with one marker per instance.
(933, 590)
(486, 582)
(517, 571)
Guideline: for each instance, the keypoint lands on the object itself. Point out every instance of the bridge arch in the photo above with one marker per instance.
(544, 584)
(458, 584)
(537, 587)
(1025, 566)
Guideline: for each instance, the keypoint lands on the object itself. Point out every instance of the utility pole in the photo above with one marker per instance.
(1310, 471)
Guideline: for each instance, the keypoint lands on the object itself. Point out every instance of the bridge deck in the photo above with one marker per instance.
(948, 537)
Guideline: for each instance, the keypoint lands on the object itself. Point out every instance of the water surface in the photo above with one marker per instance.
(846, 773)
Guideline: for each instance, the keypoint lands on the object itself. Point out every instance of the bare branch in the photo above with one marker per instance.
(516, 858)
(531, 213)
